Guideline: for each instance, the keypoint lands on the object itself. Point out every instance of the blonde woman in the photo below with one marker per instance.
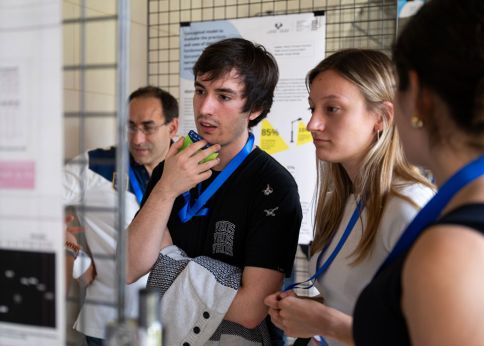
(368, 192)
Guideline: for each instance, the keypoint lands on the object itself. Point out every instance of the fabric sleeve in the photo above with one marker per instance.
(399, 213)
(76, 175)
(274, 227)
(196, 294)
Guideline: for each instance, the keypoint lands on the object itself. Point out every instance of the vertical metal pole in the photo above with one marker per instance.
(82, 83)
(122, 149)
(148, 43)
(82, 122)
(395, 32)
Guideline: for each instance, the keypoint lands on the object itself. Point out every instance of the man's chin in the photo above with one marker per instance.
(141, 160)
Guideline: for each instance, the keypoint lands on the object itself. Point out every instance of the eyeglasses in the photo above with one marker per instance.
(146, 129)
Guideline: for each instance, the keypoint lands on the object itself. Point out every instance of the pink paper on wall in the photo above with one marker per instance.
(17, 175)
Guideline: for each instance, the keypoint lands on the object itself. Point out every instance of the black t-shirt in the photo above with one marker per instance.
(378, 318)
(253, 219)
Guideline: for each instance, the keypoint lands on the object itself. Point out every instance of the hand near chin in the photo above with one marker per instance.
(184, 169)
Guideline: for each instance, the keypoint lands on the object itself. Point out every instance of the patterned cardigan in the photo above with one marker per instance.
(196, 295)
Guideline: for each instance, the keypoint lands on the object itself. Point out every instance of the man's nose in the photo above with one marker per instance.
(206, 105)
(137, 136)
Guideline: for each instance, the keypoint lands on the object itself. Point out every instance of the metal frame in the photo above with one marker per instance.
(350, 24)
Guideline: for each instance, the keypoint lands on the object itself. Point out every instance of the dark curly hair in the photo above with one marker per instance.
(444, 44)
(256, 67)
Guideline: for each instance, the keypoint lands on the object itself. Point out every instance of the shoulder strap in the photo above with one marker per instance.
(470, 215)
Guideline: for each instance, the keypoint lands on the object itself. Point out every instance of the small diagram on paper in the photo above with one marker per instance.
(27, 281)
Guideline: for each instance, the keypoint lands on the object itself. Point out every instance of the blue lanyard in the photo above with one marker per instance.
(320, 270)
(186, 212)
(322, 342)
(434, 207)
(135, 185)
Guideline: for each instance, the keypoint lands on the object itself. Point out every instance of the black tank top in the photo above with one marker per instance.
(378, 318)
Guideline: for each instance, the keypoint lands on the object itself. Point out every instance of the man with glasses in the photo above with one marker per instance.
(153, 121)
(90, 181)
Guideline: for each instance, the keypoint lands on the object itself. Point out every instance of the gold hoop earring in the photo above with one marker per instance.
(416, 122)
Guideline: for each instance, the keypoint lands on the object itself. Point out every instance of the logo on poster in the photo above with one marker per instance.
(278, 28)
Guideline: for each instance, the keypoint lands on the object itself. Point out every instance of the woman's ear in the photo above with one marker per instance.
(425, 102)
(384, 115)
(424, 97)
(417, 93)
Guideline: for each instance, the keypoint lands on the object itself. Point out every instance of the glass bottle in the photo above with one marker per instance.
(150, 331)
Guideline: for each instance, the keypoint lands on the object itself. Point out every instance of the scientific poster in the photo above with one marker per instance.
(297, 41)
(31, 151)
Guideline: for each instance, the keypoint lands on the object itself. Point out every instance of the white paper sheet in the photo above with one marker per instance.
(31, 148)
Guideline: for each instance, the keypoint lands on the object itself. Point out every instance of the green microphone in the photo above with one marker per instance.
(195, 137)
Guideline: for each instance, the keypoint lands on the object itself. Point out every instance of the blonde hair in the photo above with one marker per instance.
(384, 170)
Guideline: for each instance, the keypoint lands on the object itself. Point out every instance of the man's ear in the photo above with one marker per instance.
(173, 127)
(254, 114)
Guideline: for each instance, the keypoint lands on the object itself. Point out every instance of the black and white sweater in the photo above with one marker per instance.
(196, 295)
